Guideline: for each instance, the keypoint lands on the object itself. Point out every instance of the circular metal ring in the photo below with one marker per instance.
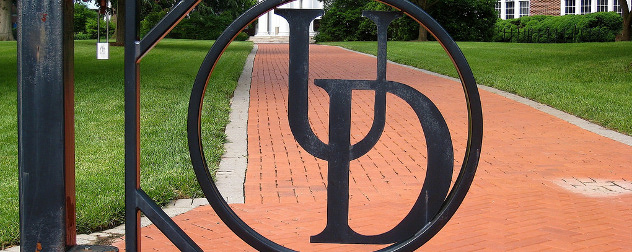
(452, 201)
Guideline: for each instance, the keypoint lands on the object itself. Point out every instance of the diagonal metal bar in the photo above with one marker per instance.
(166, 225)
(177, 13)
(135, 199)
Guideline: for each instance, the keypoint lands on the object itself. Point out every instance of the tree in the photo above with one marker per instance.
(627, 21)
(465, 20)
(6, 28)
(236, 7)
(82, 16)
(120, 23)
(342, 20)
(151, 11)
(118, 14)
(209, 19)
(425, 5)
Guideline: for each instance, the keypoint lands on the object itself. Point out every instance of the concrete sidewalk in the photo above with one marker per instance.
(542, 183)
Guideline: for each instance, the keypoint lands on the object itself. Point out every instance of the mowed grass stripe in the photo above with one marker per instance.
(589, 80)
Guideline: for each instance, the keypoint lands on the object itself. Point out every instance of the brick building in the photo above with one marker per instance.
(508, 9)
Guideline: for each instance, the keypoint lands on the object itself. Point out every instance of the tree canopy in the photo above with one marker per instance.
(465, 20)
(206, 21)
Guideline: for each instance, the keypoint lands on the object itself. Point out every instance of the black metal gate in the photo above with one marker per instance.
(407, 239)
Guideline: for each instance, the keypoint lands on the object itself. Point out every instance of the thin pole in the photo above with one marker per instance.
(132, 127)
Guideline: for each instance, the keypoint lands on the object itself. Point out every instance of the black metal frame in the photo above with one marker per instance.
(137, 200)
(339, 151)
(46, 125)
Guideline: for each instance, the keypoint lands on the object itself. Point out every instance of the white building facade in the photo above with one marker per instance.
(508, 9)
(271, 24)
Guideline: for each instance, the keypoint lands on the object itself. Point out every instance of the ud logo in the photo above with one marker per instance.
(436, 203)
(339, 152)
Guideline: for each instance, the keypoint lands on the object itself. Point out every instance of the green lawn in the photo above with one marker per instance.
(590, 80)
(167, 76)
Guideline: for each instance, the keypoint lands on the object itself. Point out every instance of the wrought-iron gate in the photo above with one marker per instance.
(406, 238)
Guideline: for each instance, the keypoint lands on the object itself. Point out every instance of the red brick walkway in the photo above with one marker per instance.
(519, 200)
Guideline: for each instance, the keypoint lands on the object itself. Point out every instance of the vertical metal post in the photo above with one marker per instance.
(132, 126)
(46, 125)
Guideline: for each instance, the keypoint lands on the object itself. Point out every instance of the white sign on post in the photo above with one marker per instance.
(103, 51)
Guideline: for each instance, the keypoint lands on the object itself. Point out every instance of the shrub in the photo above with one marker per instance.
(199, 26)
(242, 36)
(82, 36)
(594, 27)
(91, 28)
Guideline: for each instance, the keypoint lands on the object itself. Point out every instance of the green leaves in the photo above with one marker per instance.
(465, 20)
(594, 27)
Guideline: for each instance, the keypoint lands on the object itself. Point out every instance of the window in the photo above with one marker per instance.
(570, 7)
(585, 7)
(524, 8)
(602, 5)
(617, 7)
(498, 8)
(509, 10)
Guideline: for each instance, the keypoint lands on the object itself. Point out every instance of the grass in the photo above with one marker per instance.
(9, 207)
(589, 80)
(167, 74)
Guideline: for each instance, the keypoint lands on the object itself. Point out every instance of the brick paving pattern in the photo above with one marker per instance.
(524, 196)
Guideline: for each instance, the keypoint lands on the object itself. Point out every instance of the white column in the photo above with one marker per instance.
(562, 7)
(593, 6)
(309, 4)
(516, 9)
(281, 25)
(262, 25)
(578, 7)
(503, 9)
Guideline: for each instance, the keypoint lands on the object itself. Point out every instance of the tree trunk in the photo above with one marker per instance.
(425, 5)
(423, 34)
(120, 23)
(625, 33)
(627, 21)
(6, 31)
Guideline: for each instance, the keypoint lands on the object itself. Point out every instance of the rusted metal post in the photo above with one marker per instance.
(46, 125)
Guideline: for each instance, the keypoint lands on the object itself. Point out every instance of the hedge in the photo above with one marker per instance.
(594, 27)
